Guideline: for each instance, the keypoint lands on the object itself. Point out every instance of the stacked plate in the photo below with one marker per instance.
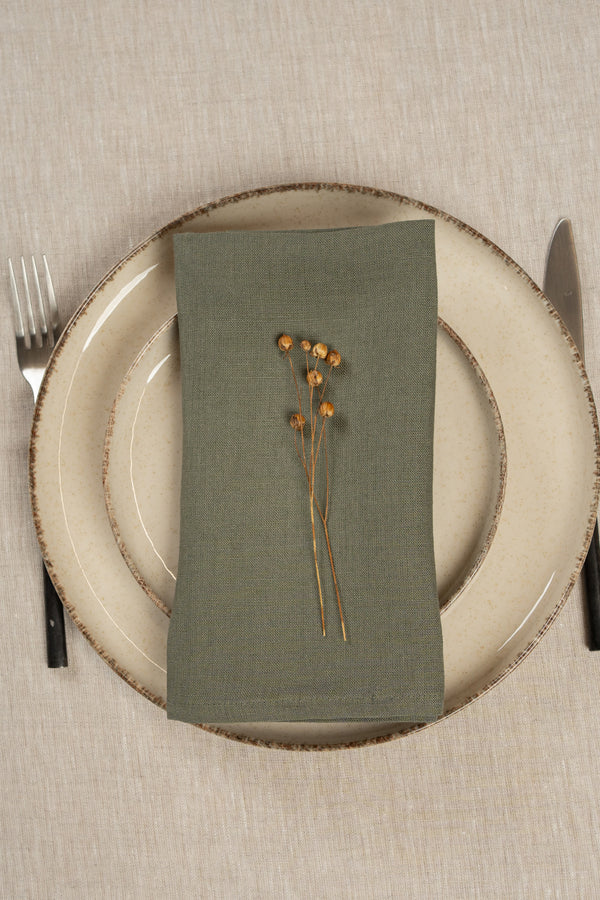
(516, 454)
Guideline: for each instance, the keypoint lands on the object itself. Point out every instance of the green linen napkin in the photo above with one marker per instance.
(245, 639)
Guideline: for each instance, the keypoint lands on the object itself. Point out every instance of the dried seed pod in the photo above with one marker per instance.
(314, 377)
(297, 422)
(326, 409)
(305, 345)
(319, 350)
(285, 343)
(333, 359)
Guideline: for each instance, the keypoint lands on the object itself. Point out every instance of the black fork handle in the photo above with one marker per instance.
(56, 644)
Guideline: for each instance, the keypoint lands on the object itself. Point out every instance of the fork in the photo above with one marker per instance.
(36, 332)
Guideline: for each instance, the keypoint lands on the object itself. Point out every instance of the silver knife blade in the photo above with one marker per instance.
(561, 281)
(563, 289)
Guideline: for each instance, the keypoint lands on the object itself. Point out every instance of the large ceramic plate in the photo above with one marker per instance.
(538, 381)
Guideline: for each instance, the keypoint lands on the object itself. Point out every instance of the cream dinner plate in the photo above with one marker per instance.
(143, 452)
(538, 381)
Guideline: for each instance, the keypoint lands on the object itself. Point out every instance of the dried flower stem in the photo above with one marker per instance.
(326, 477)
(298, 395)
(325, 410)
(310, 483)
(322, 391)
(312, 522)
(323, 517)
(320, 439)
(312, 512)
(335, 584)
(302, 460)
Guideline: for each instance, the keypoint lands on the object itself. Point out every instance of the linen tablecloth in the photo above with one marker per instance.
(116, 119)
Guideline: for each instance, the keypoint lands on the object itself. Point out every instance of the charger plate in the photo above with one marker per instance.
(536, 375)
(143, 454)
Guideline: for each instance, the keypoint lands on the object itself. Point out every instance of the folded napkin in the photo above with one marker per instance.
(245, 639)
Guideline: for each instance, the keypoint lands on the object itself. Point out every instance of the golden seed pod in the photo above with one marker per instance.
(319, 350)
(333, 358)
(297, 422)
(285, 343)
(326, 409)
(306, 345)
(314, 377)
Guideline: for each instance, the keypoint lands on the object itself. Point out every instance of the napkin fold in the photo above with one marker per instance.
(245, 639)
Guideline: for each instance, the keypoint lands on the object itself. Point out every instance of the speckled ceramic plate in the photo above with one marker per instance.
(535, 373)
(142, 466)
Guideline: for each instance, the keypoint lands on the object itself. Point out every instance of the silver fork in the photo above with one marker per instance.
(36, 332)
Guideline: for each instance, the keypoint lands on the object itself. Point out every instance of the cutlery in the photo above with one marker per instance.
(36, 333)
(563, 289)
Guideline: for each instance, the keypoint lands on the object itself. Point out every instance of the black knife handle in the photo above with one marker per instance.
(591, 573)
(56, 644)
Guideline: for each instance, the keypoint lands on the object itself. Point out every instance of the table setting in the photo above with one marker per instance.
(308, 492)
(131, 609)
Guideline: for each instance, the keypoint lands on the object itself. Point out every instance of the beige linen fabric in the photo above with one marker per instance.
(117, 117)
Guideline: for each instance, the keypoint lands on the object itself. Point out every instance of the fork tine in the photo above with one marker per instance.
(35, 337)
(52, 306)
(40, 300)
(19, 326)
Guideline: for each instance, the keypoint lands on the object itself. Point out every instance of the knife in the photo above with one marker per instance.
(563, 289)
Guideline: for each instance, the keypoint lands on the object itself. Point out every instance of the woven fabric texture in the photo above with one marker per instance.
(246, 638)
(117, 118)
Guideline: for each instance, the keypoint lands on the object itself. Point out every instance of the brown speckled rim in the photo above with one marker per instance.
(108, 501)
(455, 590)
(334, 187)
(501, 473)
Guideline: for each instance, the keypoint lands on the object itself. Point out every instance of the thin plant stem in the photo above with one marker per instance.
(323, 517)
(326, 380)
(303, 461)
(312, 522)
(299, 400)
(312, 512)
(326, 476)
(319, 441)
(312, 432)
(321, 393)
(316, 502)
(335, 584)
